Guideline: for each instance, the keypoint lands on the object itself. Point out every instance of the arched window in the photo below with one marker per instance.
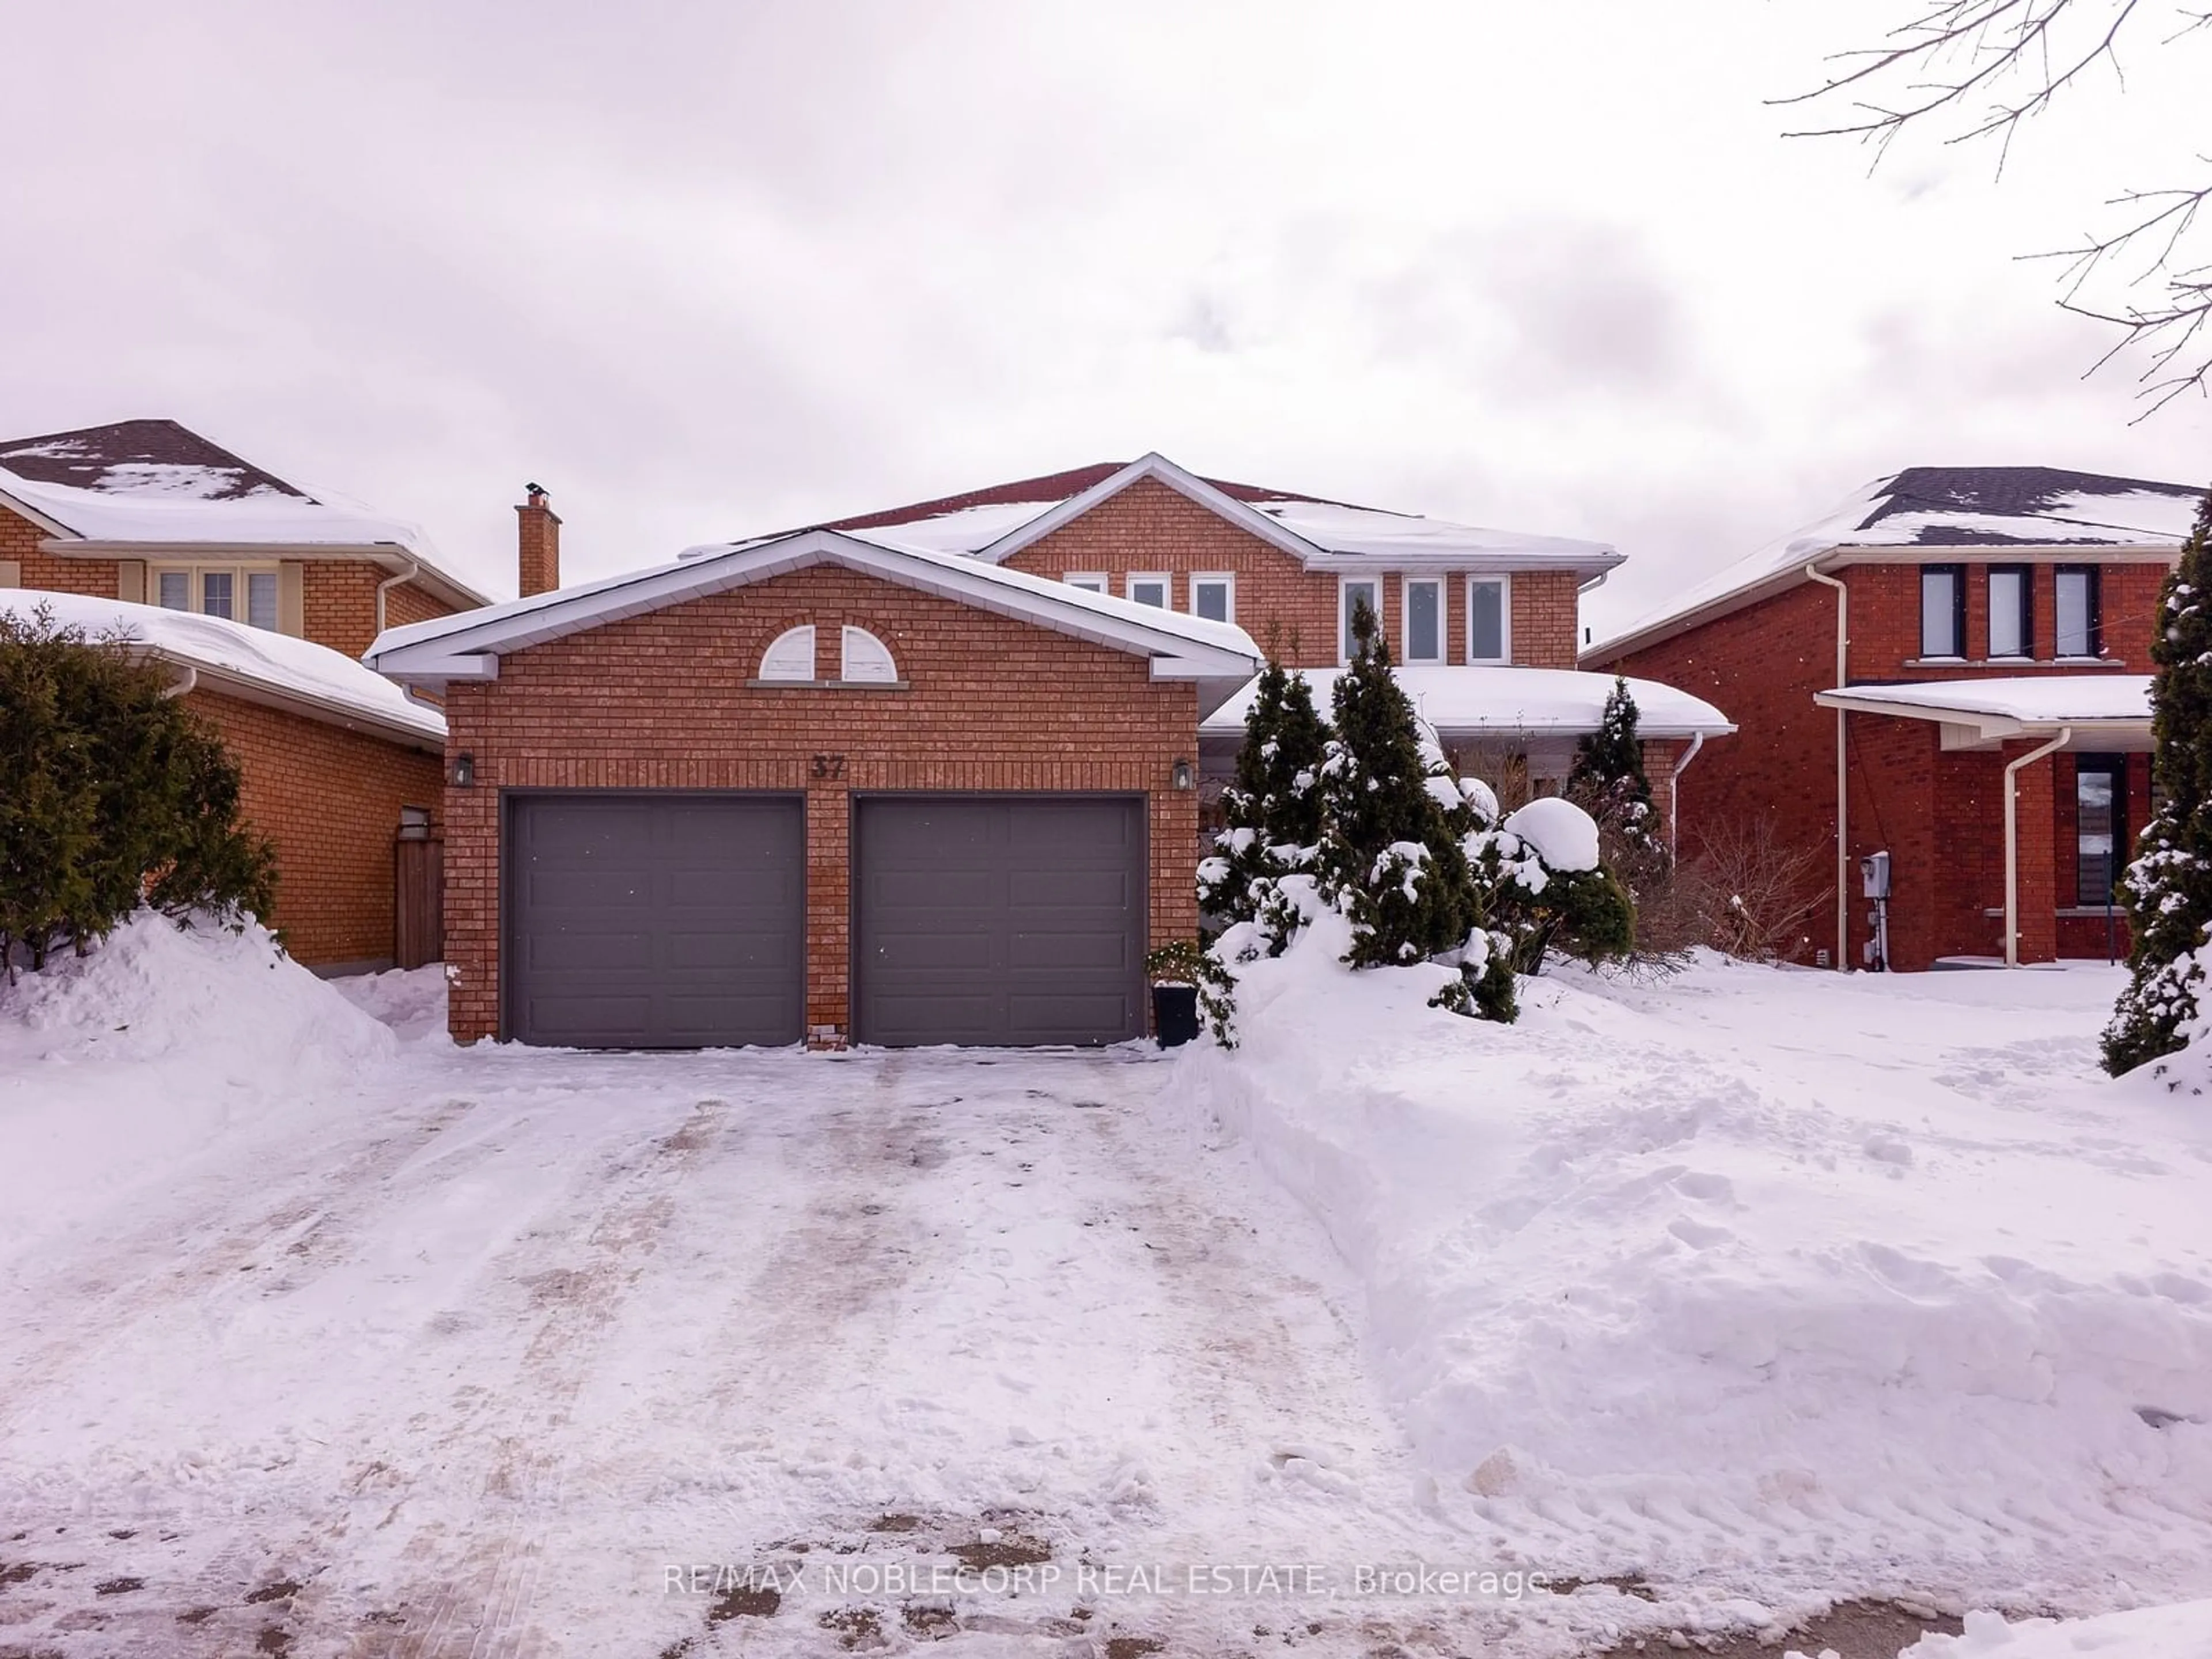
(866, 658)
(791, 656)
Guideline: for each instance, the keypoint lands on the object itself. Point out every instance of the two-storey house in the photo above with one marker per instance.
(933, 775)
(261, 598)
(1952, 668)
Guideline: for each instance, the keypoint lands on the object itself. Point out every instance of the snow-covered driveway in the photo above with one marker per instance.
(475, 1357)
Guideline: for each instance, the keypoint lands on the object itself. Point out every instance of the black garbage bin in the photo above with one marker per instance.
(1174, 1014)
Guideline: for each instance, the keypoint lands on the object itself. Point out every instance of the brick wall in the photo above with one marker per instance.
(1150, 528)
(661, 701)
(1886, 621)
(338, 603)
(19, 546)
(1941, 816)
(329, 799)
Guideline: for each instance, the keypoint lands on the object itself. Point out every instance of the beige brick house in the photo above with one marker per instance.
(925, 775)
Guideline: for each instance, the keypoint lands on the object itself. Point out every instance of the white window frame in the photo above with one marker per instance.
(1228, 580)
(239, 571)
(794, 646)
(1504, 585)
(1406, 586)
(1095, 581)
(1344, 586)
(863, 658)
(1166, 584)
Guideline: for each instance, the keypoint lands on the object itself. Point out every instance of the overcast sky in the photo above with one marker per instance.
(705, 268)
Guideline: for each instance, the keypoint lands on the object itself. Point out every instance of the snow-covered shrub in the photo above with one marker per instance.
(2167, 890)
(1273, 810)
(1413, 862)
(112, 794)
(1391, 857)
(1608, 781)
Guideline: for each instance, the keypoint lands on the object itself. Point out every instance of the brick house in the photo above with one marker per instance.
(929, 775)
(262, 596)
(1952, 668)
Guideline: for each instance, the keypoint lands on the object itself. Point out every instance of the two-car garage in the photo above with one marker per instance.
(678, 919)
(813, 789)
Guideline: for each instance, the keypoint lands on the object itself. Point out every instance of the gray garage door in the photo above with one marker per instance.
(999, 920)
(664, 921)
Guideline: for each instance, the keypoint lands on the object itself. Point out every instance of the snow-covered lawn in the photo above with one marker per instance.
(1764, 1288)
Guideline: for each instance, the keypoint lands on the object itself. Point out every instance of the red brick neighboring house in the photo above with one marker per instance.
(261, 596)
(1960, 637)
(929, 775)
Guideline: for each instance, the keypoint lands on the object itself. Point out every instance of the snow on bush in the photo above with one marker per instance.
(116, 1065)
(1562, 834)
(1639, 1289)
(195, 994)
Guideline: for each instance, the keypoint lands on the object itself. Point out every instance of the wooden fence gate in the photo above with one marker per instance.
(418, 932)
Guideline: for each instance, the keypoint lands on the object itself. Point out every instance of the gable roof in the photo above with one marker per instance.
(132, 487)
(998, 521)
(1937, 507)
(1220, 656)
(253, 664)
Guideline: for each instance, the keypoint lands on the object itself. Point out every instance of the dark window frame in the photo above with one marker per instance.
(2096, 608)
(1957, 573)
(2114, 769)
(2026, 573)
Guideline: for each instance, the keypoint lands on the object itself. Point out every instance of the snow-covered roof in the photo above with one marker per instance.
(155, 484)
(1476, 702)
(1976, 712)
(1958, 508)
(996, 522)
(251, 663)
(1220, 656)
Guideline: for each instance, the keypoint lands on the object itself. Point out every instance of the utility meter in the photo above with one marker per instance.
(1874, 876)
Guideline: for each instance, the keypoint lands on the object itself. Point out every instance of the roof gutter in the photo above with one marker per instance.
(2012, 839)
(177, 688)
(1842, 769)
(385, 586)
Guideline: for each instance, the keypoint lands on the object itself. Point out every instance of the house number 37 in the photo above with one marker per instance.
(829, 766)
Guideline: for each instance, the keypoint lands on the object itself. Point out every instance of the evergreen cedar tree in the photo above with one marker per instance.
(1271, 811)
(1608, 777)
(2167, 889)
(112, 795)
(1391, 856)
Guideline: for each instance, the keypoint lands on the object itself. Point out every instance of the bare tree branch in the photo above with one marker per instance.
(1935, 70)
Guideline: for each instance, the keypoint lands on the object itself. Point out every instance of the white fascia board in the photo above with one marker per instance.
(1987, 727)
(1596, 658)
(327, 711)
(1490, 561)
(53, 527)
(457, 647)
(2006, 553)
(1188, 484)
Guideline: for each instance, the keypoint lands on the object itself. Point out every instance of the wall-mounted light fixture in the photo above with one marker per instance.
(465, 771)
(1183, 776)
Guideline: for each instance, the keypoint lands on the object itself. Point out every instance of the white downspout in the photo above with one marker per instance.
(1842, 773)
(177, 688)
(383, 587)
(2012, 840)
(1674, 794)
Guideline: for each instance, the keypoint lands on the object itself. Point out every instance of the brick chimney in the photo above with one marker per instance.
(538, 532)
